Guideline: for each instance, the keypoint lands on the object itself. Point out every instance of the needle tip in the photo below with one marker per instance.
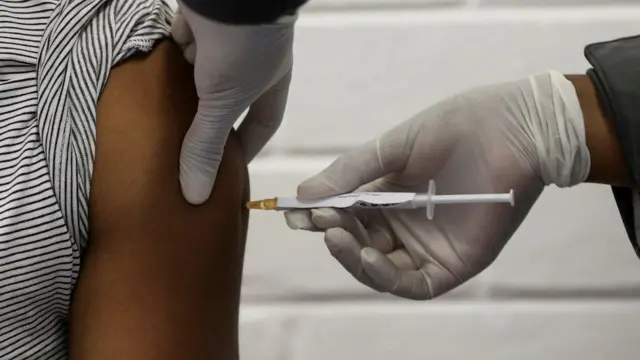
(266, 204)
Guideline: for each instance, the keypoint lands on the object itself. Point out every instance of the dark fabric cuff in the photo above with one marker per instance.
(245, 12)
(616, 76)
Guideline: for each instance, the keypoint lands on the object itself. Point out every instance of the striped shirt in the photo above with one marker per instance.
(55, 58)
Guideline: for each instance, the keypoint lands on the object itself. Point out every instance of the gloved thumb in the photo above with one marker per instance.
(201, 154)
(388, 277)
(386, 154)
(183, 36)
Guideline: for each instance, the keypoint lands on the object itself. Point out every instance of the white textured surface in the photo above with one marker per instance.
(572, 239)
(357, 73)
(436, 330)
(553, 2)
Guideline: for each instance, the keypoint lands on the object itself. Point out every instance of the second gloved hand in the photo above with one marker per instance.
(520, 135)
(236, 68)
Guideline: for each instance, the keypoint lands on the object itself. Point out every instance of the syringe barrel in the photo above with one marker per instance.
(479, 198)
(463, 198)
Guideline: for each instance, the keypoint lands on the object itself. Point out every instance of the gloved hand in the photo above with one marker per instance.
(236, 67)
(520, 135)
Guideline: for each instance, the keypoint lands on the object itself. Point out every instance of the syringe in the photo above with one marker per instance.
(381, 200)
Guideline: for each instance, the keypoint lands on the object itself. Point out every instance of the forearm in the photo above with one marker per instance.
(244, 11)
(607, 163)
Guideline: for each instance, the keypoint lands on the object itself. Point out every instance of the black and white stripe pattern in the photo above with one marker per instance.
(55, 57)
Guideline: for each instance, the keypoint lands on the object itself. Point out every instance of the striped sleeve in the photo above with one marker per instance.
(55, 59)
(83, 41)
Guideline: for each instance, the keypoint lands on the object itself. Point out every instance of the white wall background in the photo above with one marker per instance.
(568, 284)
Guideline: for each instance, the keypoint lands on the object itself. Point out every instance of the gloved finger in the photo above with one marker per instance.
(345, 174)
(402, 259)
(376, 185)
(264, 118)
(202, 151)
(385, 155)
(327, 218)
(375, 234)
(382, 237)
(346, 250)
(181, 31)
(300, 220)
(387, 276)
(391, 183)
(190, 52)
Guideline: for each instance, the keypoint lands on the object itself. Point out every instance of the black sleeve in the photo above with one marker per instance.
(245, 12)
(616, 75)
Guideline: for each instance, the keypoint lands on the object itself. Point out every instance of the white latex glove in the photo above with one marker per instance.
(519, 135)
(236, 67)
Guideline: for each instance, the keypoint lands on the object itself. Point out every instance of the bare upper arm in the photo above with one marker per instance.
(161, 278)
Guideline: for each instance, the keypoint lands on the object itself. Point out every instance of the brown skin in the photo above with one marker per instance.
(161, 278)
(607, 163)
